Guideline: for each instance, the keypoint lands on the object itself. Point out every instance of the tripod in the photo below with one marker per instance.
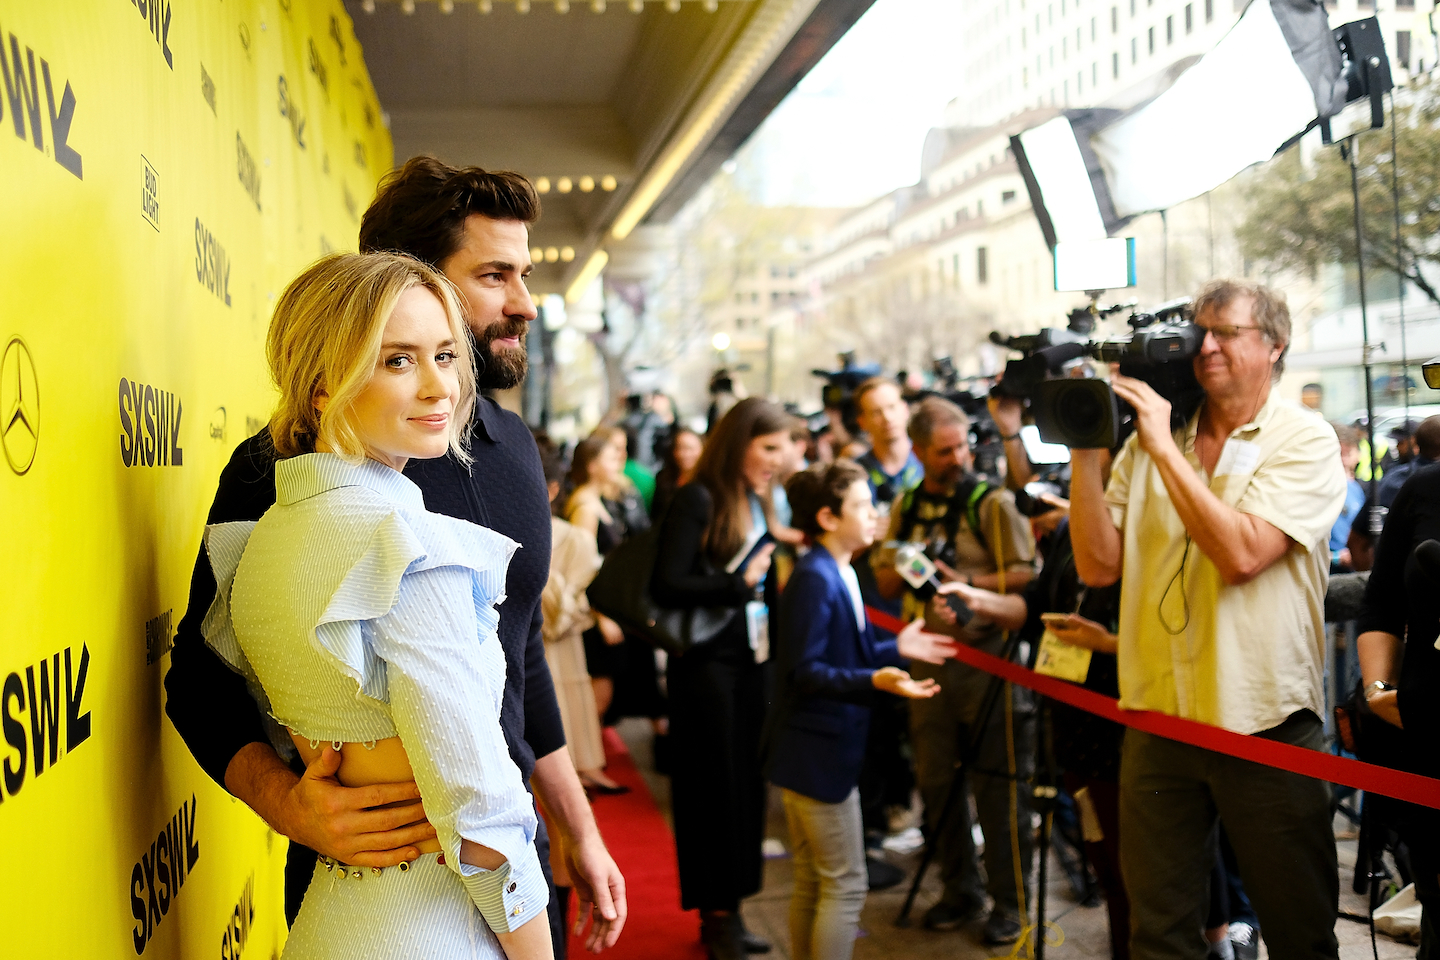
(1043, 795)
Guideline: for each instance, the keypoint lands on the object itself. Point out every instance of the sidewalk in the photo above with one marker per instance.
(1084, 930)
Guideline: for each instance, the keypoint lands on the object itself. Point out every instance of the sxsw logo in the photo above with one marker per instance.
(149, 426)
(50, 709)
(28, 114)
(156, 14)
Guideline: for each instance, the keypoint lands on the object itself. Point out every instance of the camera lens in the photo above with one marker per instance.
(1081, 412)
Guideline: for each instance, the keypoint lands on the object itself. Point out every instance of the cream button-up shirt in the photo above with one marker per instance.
(1241, 657)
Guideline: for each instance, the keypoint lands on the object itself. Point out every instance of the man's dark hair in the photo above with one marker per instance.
(421, 208)
(1427, 438)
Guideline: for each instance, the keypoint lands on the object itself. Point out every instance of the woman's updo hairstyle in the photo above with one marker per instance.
(325, 337)
(823, 485)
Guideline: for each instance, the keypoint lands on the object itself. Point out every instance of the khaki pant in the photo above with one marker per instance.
(828, 850)
(939, 734)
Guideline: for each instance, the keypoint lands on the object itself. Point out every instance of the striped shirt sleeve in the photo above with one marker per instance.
(445, 690)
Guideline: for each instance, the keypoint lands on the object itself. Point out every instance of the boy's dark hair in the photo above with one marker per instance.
(823, 485)
(421, 208)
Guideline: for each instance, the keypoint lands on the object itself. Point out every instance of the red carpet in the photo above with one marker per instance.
(644, 848)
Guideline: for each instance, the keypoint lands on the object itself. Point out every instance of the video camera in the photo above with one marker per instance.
(839, 390)
(1086, 413)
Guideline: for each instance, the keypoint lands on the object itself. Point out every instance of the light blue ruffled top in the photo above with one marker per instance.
(355, 615)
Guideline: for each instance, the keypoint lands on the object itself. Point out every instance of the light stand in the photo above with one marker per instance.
(1377, 518)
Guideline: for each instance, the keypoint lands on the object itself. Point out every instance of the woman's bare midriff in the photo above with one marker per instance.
(386, 762)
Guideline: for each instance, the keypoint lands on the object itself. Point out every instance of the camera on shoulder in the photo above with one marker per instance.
(1085, 412)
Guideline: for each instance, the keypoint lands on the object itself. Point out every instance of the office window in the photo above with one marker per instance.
(979, 208)
(1007, 196)
(1080, 83)
(1093, 29)
(982, 265)
(1022, 34)
(1134, 50)
(1209, 10)
(1169, 30)
(1064, 47)
(1115, 66)
(1095, 74)
(1189, 17)
(1025, 77)
(1151, 39)
(1402, 48)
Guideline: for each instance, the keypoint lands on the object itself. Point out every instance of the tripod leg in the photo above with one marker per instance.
(956, 792)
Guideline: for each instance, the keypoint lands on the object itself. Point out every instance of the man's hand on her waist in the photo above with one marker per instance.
(378, 825)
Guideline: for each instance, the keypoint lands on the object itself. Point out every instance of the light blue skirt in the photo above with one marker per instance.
(422, 912)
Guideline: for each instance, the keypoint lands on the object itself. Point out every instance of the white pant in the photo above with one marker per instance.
(828, 848)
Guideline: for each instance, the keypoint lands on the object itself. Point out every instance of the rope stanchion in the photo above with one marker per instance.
(1410, 787)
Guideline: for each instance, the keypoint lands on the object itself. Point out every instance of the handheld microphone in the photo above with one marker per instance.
(918, 570)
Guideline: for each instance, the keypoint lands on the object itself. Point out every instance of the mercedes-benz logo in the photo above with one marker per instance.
(19, 406)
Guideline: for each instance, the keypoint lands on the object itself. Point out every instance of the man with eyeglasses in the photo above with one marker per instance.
(1220, 531)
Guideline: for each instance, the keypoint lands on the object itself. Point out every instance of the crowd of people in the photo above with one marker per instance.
(393, 655)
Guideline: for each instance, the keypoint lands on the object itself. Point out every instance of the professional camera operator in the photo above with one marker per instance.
(1219, 530)
(965, 524)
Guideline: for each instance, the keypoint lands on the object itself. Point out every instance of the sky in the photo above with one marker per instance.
(853, 128)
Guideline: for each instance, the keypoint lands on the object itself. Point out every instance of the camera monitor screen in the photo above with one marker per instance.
(1095, 264)
(1038, 450)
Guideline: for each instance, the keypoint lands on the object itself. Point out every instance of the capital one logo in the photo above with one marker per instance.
(19, 406)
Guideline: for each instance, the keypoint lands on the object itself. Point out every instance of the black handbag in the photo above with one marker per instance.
(621, 591)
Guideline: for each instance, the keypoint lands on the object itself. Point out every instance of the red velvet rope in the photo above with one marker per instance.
(1410, 787)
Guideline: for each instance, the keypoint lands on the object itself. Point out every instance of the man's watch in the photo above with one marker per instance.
(1379, 686)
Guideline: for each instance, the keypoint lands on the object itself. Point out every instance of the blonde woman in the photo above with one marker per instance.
(362, 621)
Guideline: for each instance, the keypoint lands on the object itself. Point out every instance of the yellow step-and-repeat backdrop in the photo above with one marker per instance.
(166, 166)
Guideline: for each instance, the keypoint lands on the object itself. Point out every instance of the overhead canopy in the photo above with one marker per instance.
(617, 111)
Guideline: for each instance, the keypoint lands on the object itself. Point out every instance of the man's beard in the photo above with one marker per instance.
(506, 370)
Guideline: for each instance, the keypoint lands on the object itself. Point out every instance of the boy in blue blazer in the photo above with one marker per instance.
(828, 665)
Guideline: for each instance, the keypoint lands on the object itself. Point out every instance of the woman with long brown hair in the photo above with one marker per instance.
(682, 456)
(714, 553)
